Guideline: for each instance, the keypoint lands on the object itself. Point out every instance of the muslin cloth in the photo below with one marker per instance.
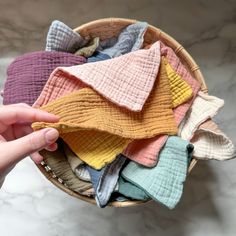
(211, 143)
(58, 163)
(88, 49)
(98, 56)
(27, 74)
(126, 80)
(105, 180)
(62, 38)
(99, 114)
(203, 108)
(130, 39)
(146, 151)
(76, 164)
(164, 182)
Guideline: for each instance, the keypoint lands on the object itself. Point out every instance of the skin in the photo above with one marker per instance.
(17, 139)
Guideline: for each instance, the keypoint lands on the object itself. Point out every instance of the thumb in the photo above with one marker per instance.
(34, 142)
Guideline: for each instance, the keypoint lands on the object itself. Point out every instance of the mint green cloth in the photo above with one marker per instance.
(131, 191)
(164, 182)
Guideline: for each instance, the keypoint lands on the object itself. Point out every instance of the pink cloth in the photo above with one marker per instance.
(126, 80)
(146, 151)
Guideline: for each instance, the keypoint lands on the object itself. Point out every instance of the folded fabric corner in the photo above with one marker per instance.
(211, 143)
(62, 38)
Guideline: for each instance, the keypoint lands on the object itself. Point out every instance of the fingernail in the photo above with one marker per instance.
(51, 135)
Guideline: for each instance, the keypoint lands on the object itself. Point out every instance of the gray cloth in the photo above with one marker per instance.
(62, 38)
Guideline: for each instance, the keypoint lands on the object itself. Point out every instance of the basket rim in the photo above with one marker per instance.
(183, 55)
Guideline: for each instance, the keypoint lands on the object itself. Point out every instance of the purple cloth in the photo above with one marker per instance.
(27, 74)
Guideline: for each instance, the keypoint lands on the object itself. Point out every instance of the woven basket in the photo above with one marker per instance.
(107, 28)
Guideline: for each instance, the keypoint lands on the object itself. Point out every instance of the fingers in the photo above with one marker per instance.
(22, 113)
(31, 143)
(36, 157)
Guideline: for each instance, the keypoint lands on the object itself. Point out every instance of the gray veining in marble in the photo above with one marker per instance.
(30, 205)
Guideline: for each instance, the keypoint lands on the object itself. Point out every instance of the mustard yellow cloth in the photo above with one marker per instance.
(180, 90)
(85, 116)
(86, 109)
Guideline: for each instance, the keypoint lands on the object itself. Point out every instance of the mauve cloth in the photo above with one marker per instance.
(27, 74)
(146, 151)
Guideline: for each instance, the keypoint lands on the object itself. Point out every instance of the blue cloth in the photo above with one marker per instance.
(105, 180)
(130, 39)
(98, 56)
(164, 182)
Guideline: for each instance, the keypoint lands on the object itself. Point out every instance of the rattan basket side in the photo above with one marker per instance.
(107, 28)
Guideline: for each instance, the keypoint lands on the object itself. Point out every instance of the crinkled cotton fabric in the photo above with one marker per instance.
(62, 38)
(130, 39)
(146, 152)
(203, 108)
(94, 110)
(211, 143)
(164, 182)
(58, 163)
(76, 164)
(105, 180)
(99, 114)
(98, 56)
(130, 190)
(126, 80)
(27, 74)
(180, 90)
(88, 49)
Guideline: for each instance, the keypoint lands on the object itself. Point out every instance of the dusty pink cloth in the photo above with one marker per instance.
(146, 151)
(126, 80)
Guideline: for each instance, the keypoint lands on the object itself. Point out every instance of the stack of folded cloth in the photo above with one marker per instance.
(131, 117)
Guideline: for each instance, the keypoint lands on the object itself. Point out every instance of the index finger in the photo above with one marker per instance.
(13, 114)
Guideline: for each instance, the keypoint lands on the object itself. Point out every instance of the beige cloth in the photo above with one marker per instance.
(211, 143)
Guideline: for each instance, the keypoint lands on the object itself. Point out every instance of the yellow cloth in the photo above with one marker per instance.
(180, 90)
(95, 148)
(84, 115)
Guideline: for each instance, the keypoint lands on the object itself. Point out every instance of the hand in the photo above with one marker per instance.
(17, 139)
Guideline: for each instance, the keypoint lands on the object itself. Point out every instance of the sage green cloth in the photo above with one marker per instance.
(164, 182)
(131, 191)
(76, 164)
(88, 49)
(58, 163)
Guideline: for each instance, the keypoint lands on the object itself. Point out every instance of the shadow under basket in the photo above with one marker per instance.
(107, 28)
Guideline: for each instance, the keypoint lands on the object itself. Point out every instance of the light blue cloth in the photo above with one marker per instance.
(105, 180)
(62, 38)
(130, 39)
(164, 182)
(98, 56)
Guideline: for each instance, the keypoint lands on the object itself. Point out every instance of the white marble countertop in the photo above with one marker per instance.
(30, 205)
